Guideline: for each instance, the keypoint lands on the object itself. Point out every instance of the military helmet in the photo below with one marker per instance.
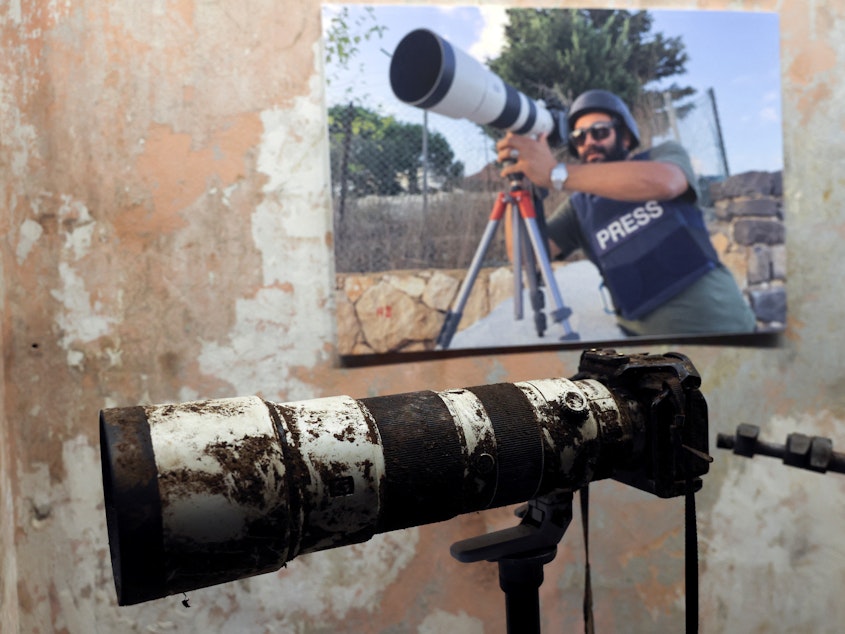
(602, 101)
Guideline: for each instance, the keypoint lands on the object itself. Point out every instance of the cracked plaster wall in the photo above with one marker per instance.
(166, 235)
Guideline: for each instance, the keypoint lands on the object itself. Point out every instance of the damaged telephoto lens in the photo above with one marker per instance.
(207, 492)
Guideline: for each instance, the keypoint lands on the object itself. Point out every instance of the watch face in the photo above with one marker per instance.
(559, 175)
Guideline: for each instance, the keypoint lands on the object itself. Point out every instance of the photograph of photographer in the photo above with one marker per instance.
(636, 217)
(650, 203)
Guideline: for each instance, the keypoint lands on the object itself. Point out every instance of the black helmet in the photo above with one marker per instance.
(602, 101)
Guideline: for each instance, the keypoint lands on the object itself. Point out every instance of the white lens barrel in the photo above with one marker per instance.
(429, 73)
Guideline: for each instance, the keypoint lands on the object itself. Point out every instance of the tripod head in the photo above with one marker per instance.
(515, 180)
(521, 552)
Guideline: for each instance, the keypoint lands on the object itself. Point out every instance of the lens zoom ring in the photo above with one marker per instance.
(423, 459)
(519, 445)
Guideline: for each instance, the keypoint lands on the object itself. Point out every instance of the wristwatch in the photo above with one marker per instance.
(559, 176)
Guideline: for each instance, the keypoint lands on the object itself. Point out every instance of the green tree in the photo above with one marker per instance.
(347, 31)
(384, 156)
(556, 54)
(345, 34)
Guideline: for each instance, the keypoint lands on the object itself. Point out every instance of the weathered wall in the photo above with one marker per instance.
(166, 236)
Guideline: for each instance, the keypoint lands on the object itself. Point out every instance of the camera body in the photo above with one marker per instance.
(671, 452)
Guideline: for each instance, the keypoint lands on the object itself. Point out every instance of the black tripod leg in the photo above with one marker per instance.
(520, 578)
(538, 300)
(453, 316)
(562, 312)
(518, 244)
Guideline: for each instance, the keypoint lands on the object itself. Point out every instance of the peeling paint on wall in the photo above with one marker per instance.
(65, 514)
(440, 621)
(29, 233)
(80, 319)
(293, 310)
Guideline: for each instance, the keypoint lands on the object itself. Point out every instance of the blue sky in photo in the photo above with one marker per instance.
(737, 54)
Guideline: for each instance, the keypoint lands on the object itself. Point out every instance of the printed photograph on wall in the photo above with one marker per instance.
(653, 143)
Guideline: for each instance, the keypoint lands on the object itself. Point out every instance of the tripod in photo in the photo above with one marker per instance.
(529, 250)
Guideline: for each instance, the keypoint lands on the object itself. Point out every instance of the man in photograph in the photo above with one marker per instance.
(636, 217)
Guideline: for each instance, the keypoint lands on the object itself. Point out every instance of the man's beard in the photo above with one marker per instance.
(600, 154)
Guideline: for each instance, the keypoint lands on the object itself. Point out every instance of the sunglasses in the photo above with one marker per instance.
(599, 131)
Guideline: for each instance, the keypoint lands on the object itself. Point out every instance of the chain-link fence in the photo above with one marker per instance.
(696, 126)
(410, 195)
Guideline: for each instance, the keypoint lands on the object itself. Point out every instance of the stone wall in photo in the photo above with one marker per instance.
(403, 311)
(750, 235)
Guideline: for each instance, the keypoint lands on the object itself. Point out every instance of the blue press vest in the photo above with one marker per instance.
(647, 252)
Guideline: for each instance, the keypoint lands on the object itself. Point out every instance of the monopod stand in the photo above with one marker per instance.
(528, 249)
(521, 552)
